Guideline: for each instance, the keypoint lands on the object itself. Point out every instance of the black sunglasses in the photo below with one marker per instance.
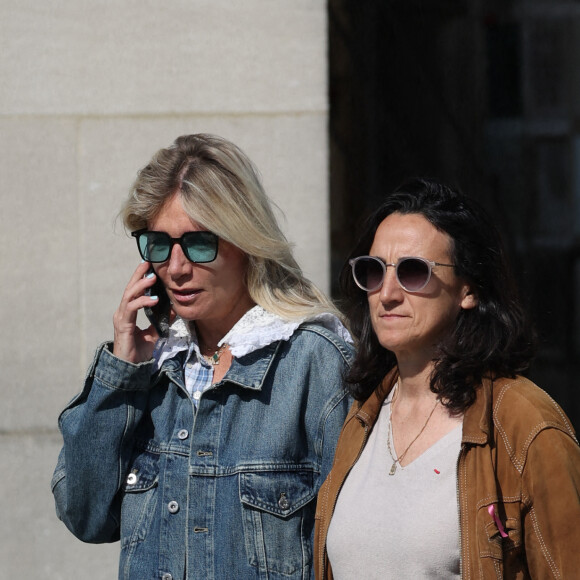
(413, 274)
(198, 247)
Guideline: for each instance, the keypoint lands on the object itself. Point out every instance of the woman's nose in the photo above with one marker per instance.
(391, 289)
(178, 262)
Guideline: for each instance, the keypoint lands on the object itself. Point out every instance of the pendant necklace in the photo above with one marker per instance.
(390, 428)
(214, 358)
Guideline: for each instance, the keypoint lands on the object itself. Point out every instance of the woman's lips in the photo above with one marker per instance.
(184, 296)
(391, 316)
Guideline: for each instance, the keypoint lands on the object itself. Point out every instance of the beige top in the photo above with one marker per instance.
(401, 526)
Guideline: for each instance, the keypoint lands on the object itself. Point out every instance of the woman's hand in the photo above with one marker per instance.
(131, 343)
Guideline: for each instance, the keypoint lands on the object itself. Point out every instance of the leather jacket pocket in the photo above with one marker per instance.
(500, 535)
(139, 498)
(278, 517)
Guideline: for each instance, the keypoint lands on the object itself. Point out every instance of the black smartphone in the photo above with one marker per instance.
(159, 315)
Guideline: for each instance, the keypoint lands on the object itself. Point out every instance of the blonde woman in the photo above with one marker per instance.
(201, 441)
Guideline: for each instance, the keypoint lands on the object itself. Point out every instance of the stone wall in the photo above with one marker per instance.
(89, 91)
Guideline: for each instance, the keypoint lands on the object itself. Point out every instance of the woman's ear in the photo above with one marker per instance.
(469, 299)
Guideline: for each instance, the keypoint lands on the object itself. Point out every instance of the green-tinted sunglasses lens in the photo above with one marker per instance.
(154, 246)
(200, 247)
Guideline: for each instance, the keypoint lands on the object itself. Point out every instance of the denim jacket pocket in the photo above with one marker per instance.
(139, 498)
(278, 507)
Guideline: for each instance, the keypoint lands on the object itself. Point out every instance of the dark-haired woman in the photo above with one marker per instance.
(450, 463)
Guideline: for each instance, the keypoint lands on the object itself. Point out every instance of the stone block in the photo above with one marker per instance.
(130, 57)
(33, 542)
(39, 294)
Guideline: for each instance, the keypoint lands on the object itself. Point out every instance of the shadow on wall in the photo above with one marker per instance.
(476, 94)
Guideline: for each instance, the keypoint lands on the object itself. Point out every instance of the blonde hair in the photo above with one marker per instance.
(221, 190)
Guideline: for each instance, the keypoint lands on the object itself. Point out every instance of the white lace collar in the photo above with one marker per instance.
(256, 329)
(259, 328)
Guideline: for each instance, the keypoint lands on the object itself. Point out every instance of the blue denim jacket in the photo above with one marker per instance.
(225, 492)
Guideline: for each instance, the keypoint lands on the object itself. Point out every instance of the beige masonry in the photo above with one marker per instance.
(89, 90)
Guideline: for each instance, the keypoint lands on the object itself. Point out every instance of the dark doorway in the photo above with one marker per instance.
(482, 95)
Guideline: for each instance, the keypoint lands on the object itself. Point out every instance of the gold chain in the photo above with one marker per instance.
(390, 427)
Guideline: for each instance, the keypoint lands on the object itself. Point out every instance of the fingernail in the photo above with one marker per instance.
(154, 297)
(150, 275)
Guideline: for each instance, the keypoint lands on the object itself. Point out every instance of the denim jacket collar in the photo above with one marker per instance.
(248, 371)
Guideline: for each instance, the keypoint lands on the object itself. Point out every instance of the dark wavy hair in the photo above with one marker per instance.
(493, 339)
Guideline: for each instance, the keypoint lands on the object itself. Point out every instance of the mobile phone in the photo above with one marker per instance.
(159, 314)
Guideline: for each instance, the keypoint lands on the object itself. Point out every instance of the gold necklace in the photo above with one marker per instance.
(390, 427)
(214, 359)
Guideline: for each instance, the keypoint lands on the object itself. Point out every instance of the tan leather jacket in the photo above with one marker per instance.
(519, 453)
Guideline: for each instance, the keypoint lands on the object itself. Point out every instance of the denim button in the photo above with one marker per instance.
(183, 434)
(132, 479)
(197, 395)
(283, 502)
(173, 507)
(167, 577)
